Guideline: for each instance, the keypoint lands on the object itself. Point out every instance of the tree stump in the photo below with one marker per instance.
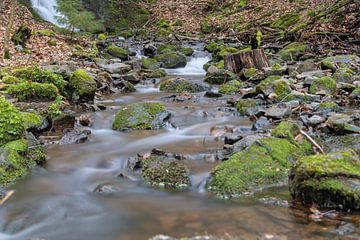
(249, 59)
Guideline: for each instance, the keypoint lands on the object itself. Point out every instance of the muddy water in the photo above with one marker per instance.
(59, 202)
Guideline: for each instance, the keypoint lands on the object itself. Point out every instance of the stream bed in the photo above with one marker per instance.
(80, 194)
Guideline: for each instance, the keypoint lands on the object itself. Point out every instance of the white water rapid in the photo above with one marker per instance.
(47, 10)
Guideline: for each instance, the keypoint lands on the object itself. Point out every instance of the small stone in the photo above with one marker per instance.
(278, 111)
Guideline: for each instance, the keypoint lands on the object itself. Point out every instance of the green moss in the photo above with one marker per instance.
(220, 77)
(263, 163)
(83, 84)
(45, 32)
(21, 35)
(341, 61)
(324, 84)
(328, 106)
(344, 75)
(213, 46)
(39, 75)
(243, 104)
(138, 116)
(52, 42)
(167, 47)
(33, 90)
(160, 172)
(327, 65)
(150, 63)
(250, 73)
(172, 59)
(206, 26)
(274, 84)
(281, 89)
(157, 73)
(102, 37)
(276, 67)
(118, 52)
(179, 85)
(286, 129)
(11, 126)
(286, 21)
(11, 80)
(225, 51)
(291, 51)
(30, 119)
(187, 51)
(230, 87)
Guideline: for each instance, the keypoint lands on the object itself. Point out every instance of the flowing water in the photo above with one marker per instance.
(47, 10)
(59, 201)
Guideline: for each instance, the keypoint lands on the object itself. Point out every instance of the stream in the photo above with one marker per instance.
(63, 201)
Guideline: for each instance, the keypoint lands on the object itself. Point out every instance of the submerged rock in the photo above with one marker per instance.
(141, 116)
(330, 181)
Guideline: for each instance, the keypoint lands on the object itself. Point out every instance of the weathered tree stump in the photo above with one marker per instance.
(249, 59)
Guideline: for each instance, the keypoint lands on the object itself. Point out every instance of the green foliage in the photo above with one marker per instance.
(206, 27)
(230, 87)
(291, 51)
(187, 51)
(39, 75)
(33, 90)
(259, 36)
(30, 119)
(21, 35)
(102, 37)
(11, 126)
(325, 84)
(10, 80)
(54, 109)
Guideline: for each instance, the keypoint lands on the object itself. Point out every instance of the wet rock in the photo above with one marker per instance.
(150, 63)
(275, 202)
(261, 124)
(220, 77)
(247, 141)
(118, 52)
(172, 59)
(244, 105)
(120, 68)
(149, 50)
(179, 85)
(211, 94)
(141, 116)
(125, 86)
(314, 120)
(75, 136)
(278, 111)
(330, 180)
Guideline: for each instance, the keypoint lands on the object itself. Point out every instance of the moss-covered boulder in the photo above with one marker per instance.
(31, 120)
(340, 61)
(187, 51)
(328, 106)
(242, 105)
(36, 74)
(150, 63)
(324, 85)
(220, 77)
(160, 171)
(231, 87)
(224, 52)
(274, 85)
(329, 181)
(33, 91)
(11, 124)
(172, 59)
(355, 94)
(167, 47)
(179, 85)
(118, 52)
(293, 51)
(141, 116)
(83, 85)
(266, 162)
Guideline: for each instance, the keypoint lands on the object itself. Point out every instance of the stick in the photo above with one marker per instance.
(312, 141)
(7, 196)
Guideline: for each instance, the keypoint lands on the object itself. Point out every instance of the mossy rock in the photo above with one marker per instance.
(242, 105)
(340, 61)
(329, 181)
(220, 77)
(33, 91)
(118, 52)
(231, 87)
(172, 59)
(141, 116)
(11, 124)
(355, 94)
(36, 74)
(342, 142)
(286, 20)
(223, 52)
(324, 85)
(161, 172)
(328, 106)
(83, 85)
(179, 85)
(31, 120)
(22, 34)
(167, 47)
(266, 162)
(293, 50)
(150, 63)
(213, 46)
(157, 73)
(345, 75)
(274, 84)
(251, 73)
(187, 51)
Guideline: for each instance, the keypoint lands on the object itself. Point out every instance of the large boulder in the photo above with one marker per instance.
(83, 85)
(179, 85)
(141, 116)
(329, 181)
(172, 59)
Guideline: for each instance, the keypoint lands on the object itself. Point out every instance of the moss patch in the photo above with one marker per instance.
(179, 85)
(33, 90)
(31, 120)
(286, 21)
(242, 105)
(230, 87)
(220, 77)
(150, 63)
(172, 59)
(291, 51)
(83, 84)
(325, 85)
(118, 52)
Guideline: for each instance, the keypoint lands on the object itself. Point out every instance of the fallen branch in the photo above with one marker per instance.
(6, 197)
(312, 141)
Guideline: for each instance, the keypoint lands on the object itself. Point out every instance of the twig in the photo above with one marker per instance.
(7, 196)
(312, 141)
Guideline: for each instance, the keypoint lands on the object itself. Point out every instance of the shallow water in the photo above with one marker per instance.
(59, 202)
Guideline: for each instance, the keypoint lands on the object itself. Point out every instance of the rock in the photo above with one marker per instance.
(149, 50)
(338, 121)
(117, 68)
(187, 51)
(212, 69)
(132, 77)
(211, 94)
(140, 116)
(150, 63)
(125, 86)
(275, 70)
(230, 87)
(345, 75)
(276, 85)
(247, 141)
(340, 61)
(84, 120)
(266, 162)
(355, 94)
(328, 106)
(315, 120)
(157, 73)
(324, 86)
(220, 77)
(243, 105)
(278, 111)
(75, 136)
(293, 51)
(83, 85)
(118, 52)
(252, 74)
(179, 85)
(343, 142)
(329, 181)
(172, 59)
(306, 66)
(345, 229)
(261, 124)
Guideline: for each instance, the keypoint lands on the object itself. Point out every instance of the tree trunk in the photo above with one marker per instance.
(249, 59)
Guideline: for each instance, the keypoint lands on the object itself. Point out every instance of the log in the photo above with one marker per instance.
(249, 59)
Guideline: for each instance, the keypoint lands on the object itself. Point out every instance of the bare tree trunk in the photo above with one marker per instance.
(249, 59)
